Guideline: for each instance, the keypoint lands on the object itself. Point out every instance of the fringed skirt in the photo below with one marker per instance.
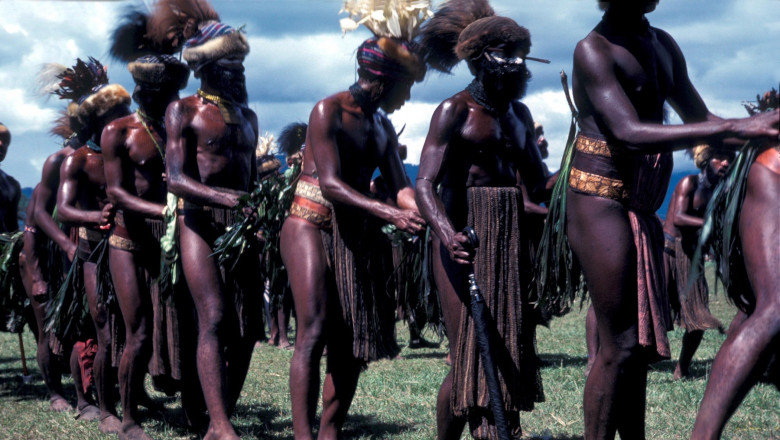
(689, 300)
(367, 306)
(502, 269)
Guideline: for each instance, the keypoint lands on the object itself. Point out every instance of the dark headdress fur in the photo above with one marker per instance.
(79, 80)
(292, 138)
(439, 35)
(175, 21)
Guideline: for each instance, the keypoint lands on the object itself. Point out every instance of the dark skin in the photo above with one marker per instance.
(134, 171)
(622, 76)
(39, 216)
(344, 147)
(467, 146)
(753, 341)
(684, 219)
(82, 201)
(211, 163)
(10, 191)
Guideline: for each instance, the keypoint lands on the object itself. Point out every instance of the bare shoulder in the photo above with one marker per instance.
(182, 109)
(592, 49)
(457, 104)
(688, 183)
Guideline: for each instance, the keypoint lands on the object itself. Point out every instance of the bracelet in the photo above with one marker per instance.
(424, 178)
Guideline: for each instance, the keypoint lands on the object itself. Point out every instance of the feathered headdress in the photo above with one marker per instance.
(463, 29)
(266, 162)
(71, 83)
(395, 24)
(175, 21)
(770, 100)
(292, 138)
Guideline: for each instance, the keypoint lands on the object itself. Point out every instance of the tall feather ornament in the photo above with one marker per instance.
(387, 18)
(439, 35)
(47, 81)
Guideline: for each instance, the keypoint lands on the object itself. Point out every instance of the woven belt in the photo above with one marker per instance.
(596, 185)
(90, 235)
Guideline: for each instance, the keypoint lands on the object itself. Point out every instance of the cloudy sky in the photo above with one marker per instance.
(299, 56)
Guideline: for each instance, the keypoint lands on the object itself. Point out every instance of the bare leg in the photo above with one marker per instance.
(135, 307)
(207, 289)
(448, 426)
(601, 238)
(748, 348)
(303, 254)
(105, 377)
(49, 365)
(690, 342)
(591, 338)
(340, 385)
(85, 405)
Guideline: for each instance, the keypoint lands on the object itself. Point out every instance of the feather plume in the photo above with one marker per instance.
(266, 145)
(48, 79)
(292, 138)
(439, 35)
(62, 125)
(79, 80)
(386, 18)
(129, 40)
(172, 22)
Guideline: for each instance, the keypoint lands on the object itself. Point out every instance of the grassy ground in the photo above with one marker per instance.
(396, 399)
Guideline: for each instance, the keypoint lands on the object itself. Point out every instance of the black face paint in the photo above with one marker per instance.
(231, 83)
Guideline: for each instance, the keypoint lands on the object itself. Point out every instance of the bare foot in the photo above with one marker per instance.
(59, 404)
(679, 374)
(134, 432)
(213, 435)
(110, 424)
(88, 413)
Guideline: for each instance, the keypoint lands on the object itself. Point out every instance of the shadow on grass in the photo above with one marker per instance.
(699, 369)
(552, 360)
(367, 426)
(429, 355)
(545, 436)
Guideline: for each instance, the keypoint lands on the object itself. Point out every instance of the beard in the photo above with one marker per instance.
(231, 83)
(508, 81)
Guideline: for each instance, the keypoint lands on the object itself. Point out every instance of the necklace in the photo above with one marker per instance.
(93, 146)
(142, 117)
(226, 107)
(477, 91)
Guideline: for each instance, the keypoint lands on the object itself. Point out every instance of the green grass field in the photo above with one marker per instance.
(396, 398)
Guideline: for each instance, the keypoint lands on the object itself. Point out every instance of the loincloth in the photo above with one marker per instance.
(243, 286)
(367, 308)
(502, 268)
(639, 182)
(689, 300)
(310, 205)
(141, 236)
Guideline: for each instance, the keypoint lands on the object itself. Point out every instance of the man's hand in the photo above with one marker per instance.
(460, 249)
(759, 125)
(407, 220)
(70, 252)
(106, 216)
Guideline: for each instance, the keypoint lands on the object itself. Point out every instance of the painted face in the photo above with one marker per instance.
(148, 95)
(504, 71)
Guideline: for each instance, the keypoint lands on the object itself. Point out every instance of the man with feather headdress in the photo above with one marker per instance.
(689, 299)
(480, 148)
(49, 247)
(210, 163)
(624, 71)
(82, 202)
(134, 164)
(326, 241)
(745, 238)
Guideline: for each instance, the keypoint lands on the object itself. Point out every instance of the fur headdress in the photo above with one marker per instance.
(395, 24)
(160, 69)
(212, 42)
(463, 29)
(102, 99)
